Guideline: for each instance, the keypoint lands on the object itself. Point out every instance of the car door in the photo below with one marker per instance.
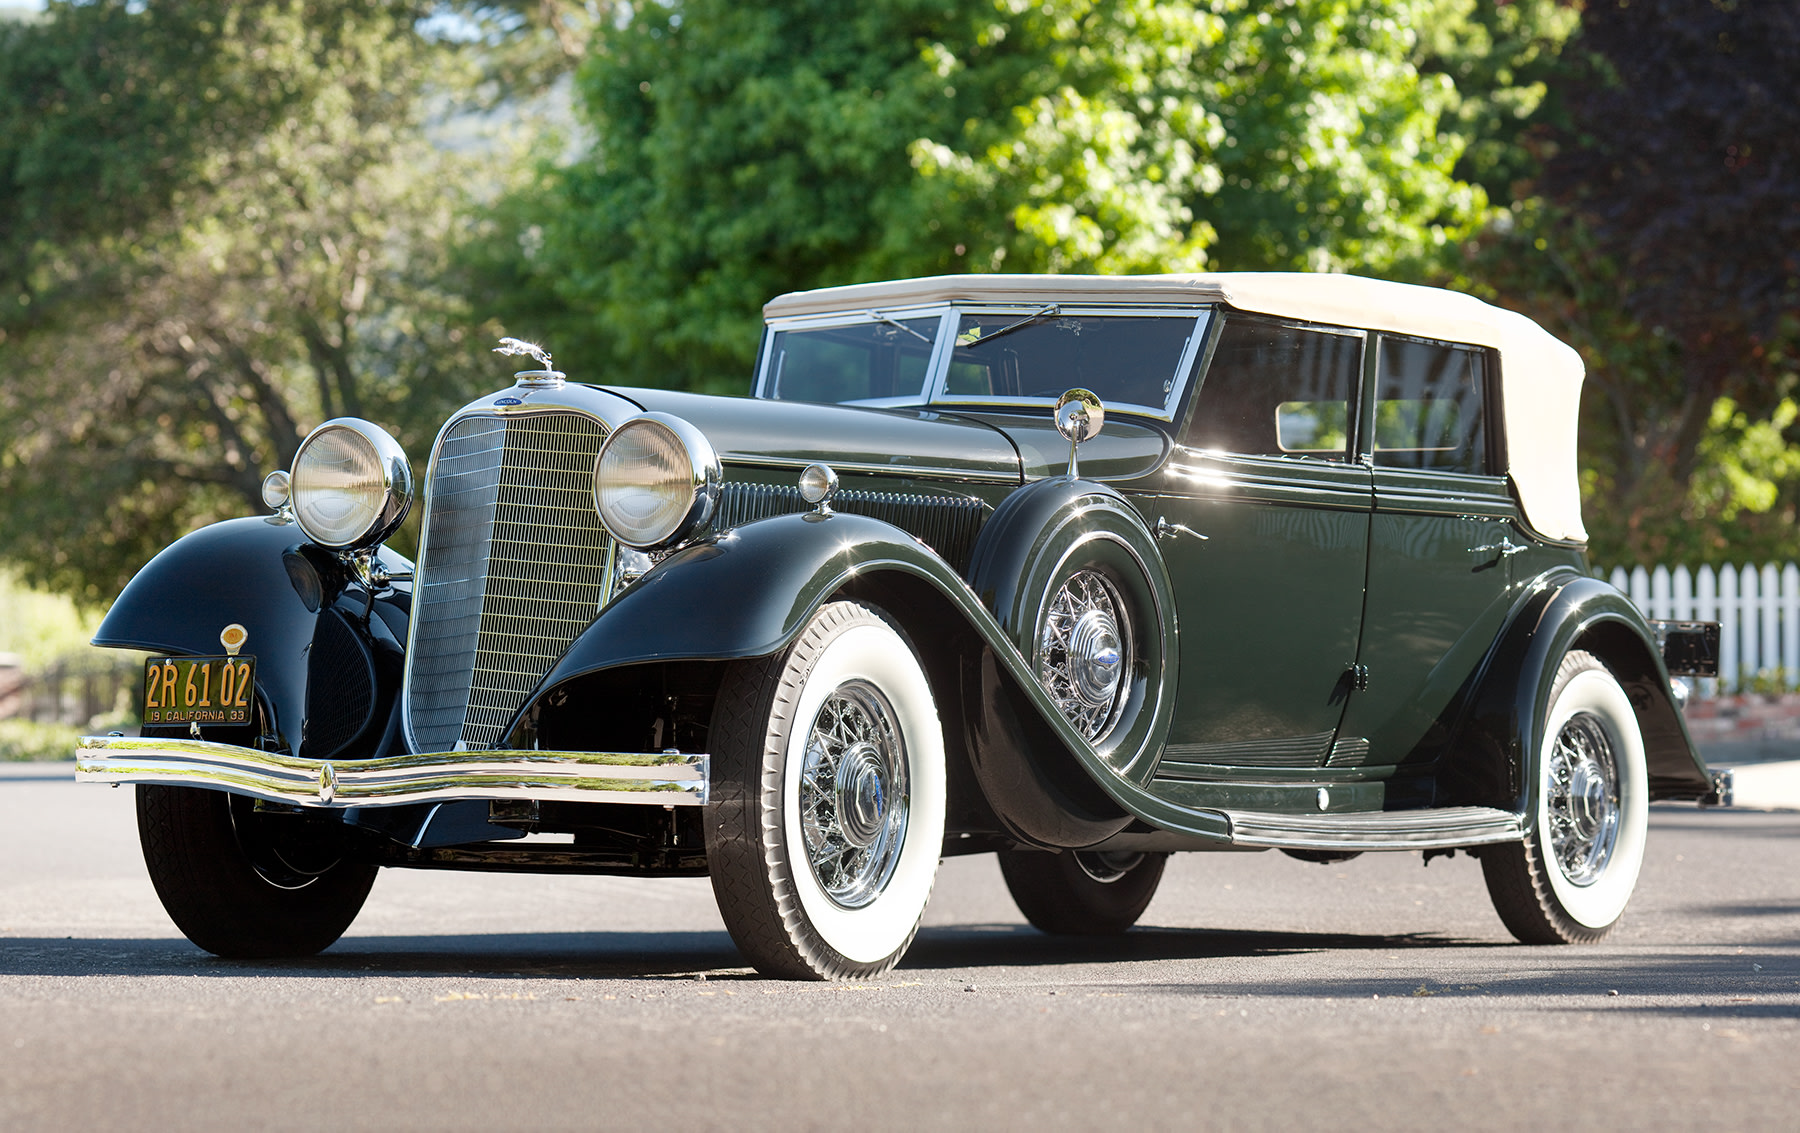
(1440, 545)
(1270, 601)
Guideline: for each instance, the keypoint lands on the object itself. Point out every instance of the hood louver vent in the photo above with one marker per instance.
(946, 524)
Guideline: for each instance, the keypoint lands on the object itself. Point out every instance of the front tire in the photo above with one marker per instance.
(1081, 892)
(233, 890)
(1569, 881)
(827, 816)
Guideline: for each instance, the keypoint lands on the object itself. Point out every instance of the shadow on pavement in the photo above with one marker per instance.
(653, 955)
(1013, 946)
(1758, 984)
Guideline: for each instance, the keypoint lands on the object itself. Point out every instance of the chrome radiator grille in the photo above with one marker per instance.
(946, 524)
(514, 565)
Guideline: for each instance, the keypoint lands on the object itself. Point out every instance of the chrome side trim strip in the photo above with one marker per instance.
(1383, 830)
(906, 471)
(650, 779)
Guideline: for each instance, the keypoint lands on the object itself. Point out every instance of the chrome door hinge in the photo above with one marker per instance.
(1359, 678)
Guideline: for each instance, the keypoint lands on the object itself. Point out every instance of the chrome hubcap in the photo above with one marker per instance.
(1582, 791)
(1083, 652)
(853, 795)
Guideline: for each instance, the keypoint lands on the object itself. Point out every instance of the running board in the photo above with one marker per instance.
(1382, 830)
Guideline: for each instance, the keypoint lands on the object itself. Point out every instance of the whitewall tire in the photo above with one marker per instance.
(1570, 880)
(827, 818)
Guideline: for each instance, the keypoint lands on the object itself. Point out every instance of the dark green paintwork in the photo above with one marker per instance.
(1434, 603)
(1311, 567)
(910, 442)
(1021, 559)
(1126, 447)
(1270, 602)
(1563, 609)
(747, 593)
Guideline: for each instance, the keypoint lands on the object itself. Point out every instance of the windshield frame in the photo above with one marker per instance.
(949, 317)
(764, 386)
(1198, 314)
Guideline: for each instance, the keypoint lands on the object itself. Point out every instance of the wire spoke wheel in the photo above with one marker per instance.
(853, 795)
(1084, 652)
(1582, 804)
(1569, 881)
(827, 819)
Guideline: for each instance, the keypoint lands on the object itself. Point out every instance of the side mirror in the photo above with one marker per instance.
(1079, 416)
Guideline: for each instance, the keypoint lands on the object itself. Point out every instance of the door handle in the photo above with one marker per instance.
(1504, 548)
(1166, 530)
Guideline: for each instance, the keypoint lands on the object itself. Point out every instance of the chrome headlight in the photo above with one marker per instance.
(656, 481)
(351, 485)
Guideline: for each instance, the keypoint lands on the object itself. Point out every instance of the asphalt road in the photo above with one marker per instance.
(1259, 993)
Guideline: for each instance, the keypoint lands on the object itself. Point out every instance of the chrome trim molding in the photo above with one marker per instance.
(1382, 830)
(649, 779)
(858, 467)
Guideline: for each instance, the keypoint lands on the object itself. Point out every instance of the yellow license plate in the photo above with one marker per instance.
(199, 690)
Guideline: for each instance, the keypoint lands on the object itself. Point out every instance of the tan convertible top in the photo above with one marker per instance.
(1540, 376)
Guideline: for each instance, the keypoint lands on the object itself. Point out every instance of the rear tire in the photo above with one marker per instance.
(1569, 881)
(1080, 892)
(233, 891)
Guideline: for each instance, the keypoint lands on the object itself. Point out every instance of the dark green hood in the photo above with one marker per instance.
(911, 442)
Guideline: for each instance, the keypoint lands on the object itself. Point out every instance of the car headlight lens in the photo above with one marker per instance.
(656, 481)
(351, 485)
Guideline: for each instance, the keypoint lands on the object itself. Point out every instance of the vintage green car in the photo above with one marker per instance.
(1081, 571)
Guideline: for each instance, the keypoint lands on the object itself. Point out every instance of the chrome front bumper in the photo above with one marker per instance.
(654, 779)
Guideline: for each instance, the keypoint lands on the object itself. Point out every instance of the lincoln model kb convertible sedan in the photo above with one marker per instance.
(1078, 571)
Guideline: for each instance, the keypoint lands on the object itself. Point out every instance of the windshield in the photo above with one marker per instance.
(1126, 359)
(872, 361)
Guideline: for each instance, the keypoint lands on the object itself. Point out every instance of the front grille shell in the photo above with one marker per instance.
(512, 566)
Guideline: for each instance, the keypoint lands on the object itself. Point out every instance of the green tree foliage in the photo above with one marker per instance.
(220, 223)
(527, 45)
(748, 149)
(1664, 249)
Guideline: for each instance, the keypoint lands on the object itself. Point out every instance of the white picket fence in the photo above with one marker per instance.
(1757, 608)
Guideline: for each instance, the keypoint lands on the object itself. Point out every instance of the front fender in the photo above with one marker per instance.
(747, 593)
(260, 573)
(1503, 734)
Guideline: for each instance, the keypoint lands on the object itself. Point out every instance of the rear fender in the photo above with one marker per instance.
(261, 574)
(1496, 748)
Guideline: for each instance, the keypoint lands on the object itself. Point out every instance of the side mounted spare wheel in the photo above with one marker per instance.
(1076, 580)
(827, 814)
(1570, 880)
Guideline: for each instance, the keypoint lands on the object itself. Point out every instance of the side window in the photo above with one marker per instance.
(1276, 389)
(1429, 406)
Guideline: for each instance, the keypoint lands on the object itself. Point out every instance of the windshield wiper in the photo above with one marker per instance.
(881, 318)
(1041, 313)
